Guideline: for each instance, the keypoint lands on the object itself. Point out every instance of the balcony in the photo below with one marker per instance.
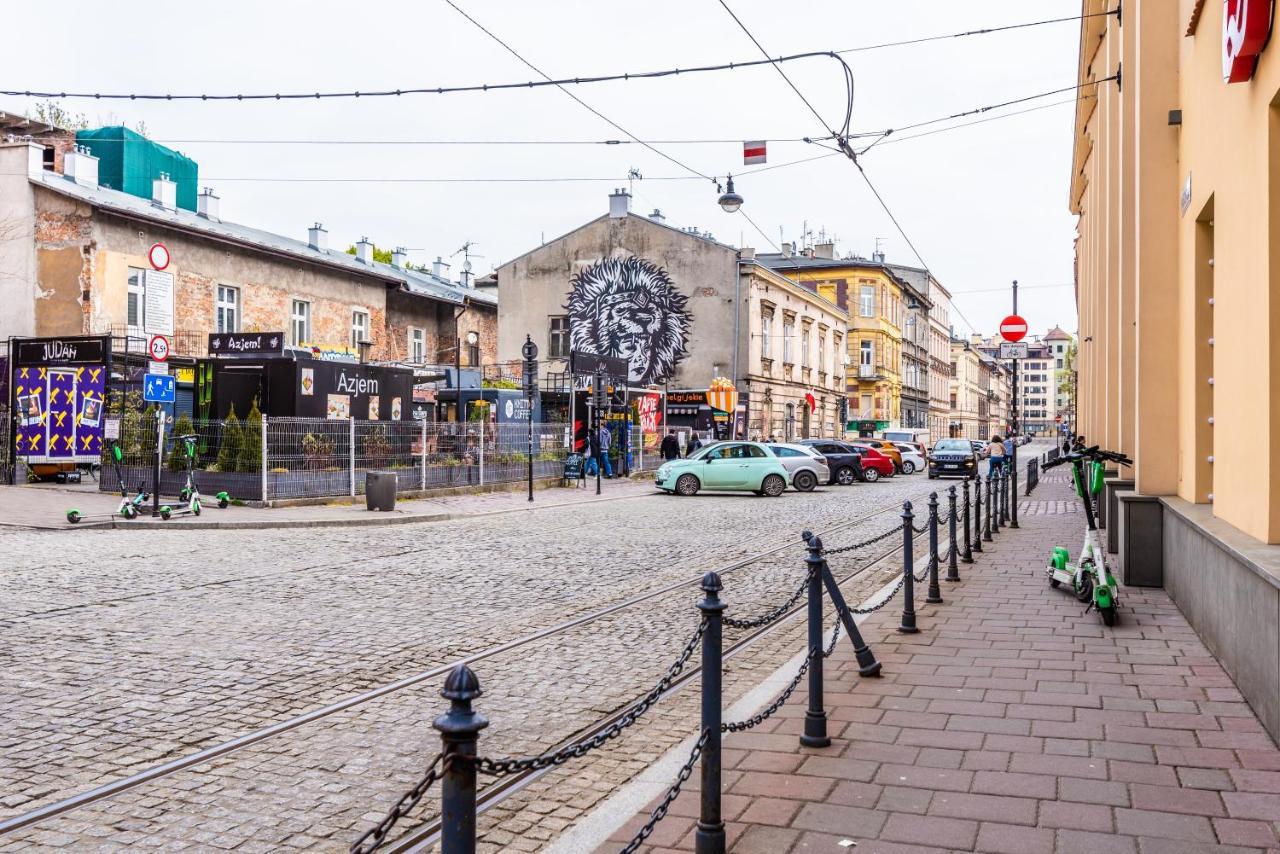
(868, 372)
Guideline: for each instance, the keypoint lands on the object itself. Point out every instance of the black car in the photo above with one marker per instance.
(844, 461)
(953, 458)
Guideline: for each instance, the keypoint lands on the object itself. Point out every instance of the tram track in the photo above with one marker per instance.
(169, 768)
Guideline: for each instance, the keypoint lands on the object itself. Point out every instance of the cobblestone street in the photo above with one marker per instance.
(126, 649)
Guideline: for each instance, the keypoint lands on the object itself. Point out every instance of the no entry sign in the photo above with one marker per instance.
(1013, 328)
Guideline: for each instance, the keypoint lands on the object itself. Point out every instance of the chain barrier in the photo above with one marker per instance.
(660, 811)
(508, 765)
(374, 837)
(902, 579)
(774, 615)
(871, 542)
(835, 636)
(761, 717)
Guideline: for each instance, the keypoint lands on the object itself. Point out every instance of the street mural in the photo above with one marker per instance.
(628, 308)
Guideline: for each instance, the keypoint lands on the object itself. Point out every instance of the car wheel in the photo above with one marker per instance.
(804, 481)
(932, 476)
(845, 475)
(908, 467)
(871, 475)
(687, 484)
(773, 485)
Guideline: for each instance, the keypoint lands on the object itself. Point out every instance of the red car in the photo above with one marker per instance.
(875, 465)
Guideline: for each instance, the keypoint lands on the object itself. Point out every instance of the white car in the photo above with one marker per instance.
(912, 459)
(807, 467)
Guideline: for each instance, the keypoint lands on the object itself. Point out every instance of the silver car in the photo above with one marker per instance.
(807, 467)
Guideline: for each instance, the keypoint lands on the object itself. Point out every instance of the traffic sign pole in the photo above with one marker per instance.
(1013, 424)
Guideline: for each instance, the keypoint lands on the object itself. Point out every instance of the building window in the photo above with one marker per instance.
(417, 346)
(300, 323)
(766, 336)
(137, 301)
(867, 301)
(473, 349)
(822, 354)
(804, 348)
(788, 332)
(866, 410)
(559, 338)
(867, 355)
(359, 327)
(228, 309)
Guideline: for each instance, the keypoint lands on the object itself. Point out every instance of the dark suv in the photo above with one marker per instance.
(844, 462)
(953, 458)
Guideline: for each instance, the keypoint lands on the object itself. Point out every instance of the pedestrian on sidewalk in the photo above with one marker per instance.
(1008, 451)
(670, 447)
(694, 444)
(995, 454)
(1066, 444)
(604, 440)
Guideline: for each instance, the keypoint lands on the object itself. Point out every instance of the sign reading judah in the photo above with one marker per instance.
(246, 344)
(63, 351)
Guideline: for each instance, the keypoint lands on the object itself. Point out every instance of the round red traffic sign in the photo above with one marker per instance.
(1013, 328)
(158, 347)
(158, 255)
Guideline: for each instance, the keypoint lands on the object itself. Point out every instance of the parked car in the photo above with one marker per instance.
(953, 458)
(875, 465)
(887, 448)
(734, 466)
(912, 457)
(844, 461)
(979, 447)
(806, 465)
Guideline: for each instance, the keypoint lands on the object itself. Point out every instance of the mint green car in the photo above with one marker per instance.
(735, 466)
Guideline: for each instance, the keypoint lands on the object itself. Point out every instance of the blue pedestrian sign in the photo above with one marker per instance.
(158, 388)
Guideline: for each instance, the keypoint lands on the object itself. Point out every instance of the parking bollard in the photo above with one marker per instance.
(1013, 496)
(459, 729)
(709, 837)
(1004, 497)
(987, 528)
(867, 664)
(953, 571)
(977, 514)
(908, 626)
(934, 595)
(815, 717)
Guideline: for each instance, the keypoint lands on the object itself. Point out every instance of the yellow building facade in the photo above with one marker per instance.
(873, 298)
(1176, 184)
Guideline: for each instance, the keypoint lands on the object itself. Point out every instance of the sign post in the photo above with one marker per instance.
(530, 377)
(1014, 329)
(600, 395)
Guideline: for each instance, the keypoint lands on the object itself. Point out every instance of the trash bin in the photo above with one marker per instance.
(380, 490)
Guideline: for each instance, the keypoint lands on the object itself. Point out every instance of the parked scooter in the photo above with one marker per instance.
(190, 492)
(129, 507)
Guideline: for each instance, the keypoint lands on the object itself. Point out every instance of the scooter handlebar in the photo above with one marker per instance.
(1092, 453)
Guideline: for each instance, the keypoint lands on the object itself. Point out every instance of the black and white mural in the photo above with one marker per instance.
(628, 308)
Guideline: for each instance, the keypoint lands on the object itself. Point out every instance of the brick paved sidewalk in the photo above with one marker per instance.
(1013, 722)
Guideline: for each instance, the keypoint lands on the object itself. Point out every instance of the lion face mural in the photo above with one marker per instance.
(628, 308)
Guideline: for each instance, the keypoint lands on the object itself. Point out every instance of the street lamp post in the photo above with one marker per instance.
(530, 353)
(600, 395)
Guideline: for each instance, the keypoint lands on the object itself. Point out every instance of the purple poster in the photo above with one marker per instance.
(59, 412)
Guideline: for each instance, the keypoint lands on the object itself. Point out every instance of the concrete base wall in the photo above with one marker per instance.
(1227, 585)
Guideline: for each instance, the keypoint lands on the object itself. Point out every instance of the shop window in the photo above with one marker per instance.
(559, 338)
(300, 323)
(228, 309)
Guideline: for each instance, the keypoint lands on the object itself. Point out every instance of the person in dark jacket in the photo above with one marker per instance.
(694, 444)
(670, 447)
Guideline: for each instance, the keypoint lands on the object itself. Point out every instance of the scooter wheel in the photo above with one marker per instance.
(1085, 592)
(184, 494)
(129, 511)
(1055, 583)
(73, 516)
(1109, 616)
(195, 508)
(223, 504)
(165, 513)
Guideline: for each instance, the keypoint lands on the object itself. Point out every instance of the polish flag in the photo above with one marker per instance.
(811, 400)
(753, 152)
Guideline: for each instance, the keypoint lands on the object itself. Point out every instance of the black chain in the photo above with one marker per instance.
(660, 811)
(761, 717)
(902, 579)
(509, 765)
(772, 616)
(889, 533)
(376, 835)
(835, 636)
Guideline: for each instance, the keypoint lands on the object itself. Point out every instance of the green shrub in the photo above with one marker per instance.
(230, 443)
(178, 456)
(251, 440)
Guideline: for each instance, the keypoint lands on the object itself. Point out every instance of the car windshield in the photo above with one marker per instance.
(953, 445)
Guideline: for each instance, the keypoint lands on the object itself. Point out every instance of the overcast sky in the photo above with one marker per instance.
(983, 204)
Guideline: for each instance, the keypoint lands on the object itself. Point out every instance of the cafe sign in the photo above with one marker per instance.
(1246, 28)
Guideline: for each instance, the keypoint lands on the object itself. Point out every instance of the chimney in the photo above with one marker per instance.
(364, 251)
(398, 257)
(746, 253)
(619, 204)
(439, 268)
(877, 256)
(164, 193)
(825, 250)
(657, 216)
(807, 252)
(788, 249)
(318, 238)
(207, 205)
(80, 166)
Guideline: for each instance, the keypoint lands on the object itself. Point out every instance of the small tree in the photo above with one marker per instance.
(178, 457)
(147, 436)
(230, 443)
(251, 440)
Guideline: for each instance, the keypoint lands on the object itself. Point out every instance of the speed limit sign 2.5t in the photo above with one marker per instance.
(158, 347)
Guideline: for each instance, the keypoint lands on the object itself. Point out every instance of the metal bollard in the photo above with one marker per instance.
(1002, 497)
(987, 528)
(815, 718)
(459, 728)
(709, 836)
(953, 571)
(977, 514)
(1013, 496)
(908, 626)
(934, 596)
(967, 555)
(867, 664)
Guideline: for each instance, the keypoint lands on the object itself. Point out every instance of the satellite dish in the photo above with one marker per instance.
(466, 266)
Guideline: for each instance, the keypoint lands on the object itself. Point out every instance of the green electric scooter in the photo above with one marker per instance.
(129, 507)
(1090, 579)
(190, 492)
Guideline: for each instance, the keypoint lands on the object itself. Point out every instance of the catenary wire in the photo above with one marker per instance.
(981, 32)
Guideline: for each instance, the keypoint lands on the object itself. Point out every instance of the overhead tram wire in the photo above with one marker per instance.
(982, 32)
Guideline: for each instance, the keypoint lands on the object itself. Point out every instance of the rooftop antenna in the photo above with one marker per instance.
(633, 175)
(467, 255)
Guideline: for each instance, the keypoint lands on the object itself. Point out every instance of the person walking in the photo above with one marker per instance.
(670, 447)
(1008, 451)
(995, 454)
(602, 449)
(592, 464)
(1066, 444)
(694, 444)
